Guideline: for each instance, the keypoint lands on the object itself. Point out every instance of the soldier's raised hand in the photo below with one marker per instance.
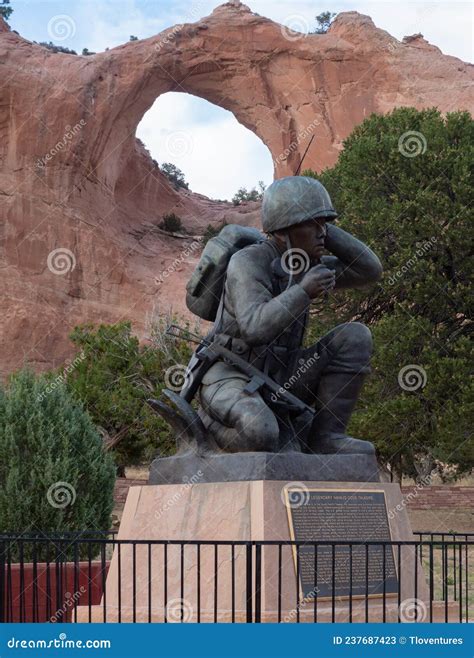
(318, 280)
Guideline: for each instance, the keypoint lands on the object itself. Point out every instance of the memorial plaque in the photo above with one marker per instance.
(336, 515)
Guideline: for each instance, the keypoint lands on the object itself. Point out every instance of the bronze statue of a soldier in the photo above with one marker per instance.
(257, 387)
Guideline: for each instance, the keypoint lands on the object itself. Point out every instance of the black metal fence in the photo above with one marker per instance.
(97, 577)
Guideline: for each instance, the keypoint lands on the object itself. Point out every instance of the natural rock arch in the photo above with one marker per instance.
(95, 194)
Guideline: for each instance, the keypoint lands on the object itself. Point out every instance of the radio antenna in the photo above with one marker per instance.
(304, 155)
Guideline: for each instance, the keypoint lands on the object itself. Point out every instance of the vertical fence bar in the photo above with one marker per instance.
(248, 561)
(460, 583)
(399, 586)
(199, 583)
(9, 585)
(119, 584)
(76, 575)
(455, 587)
(3, 589)
(415, 594)
(315, 609)
(181, 565)
(103, 547)
(279, 581)
(366, 583)
(22, 582)
(216, 570)
(384, 585)
(232, 559)
(89, 579)
(35, 582)
(258, 583)
(466, 567)
(298, 566)
(445, 582)
(333, 583)
(431, 568)
(443, 567)
(134, 582)
(149, 582)
(48, 583)
(350, 583)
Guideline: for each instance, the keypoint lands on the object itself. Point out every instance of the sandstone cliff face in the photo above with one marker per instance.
(73, 176)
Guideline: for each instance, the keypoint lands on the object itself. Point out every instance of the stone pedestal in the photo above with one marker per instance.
(251, 466)
(201, 582)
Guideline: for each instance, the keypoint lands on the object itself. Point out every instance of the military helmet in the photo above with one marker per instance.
(293, 200)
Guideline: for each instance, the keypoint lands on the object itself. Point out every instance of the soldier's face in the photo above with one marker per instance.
(309, 236)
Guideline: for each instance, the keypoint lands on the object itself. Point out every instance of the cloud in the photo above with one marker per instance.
(217, 158)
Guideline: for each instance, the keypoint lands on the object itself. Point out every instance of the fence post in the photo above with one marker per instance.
(249, 592)
(258, 583)
(3, 592)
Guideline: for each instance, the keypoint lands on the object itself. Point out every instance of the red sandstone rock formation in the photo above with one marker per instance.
(98, 194)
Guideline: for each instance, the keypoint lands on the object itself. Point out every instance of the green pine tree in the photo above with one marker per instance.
(55, 475)
(403, 184)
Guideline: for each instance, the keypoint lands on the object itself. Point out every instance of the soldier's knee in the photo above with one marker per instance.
(257, 423)
(357, 337)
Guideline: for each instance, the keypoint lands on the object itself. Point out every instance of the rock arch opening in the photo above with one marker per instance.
(216, 153)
